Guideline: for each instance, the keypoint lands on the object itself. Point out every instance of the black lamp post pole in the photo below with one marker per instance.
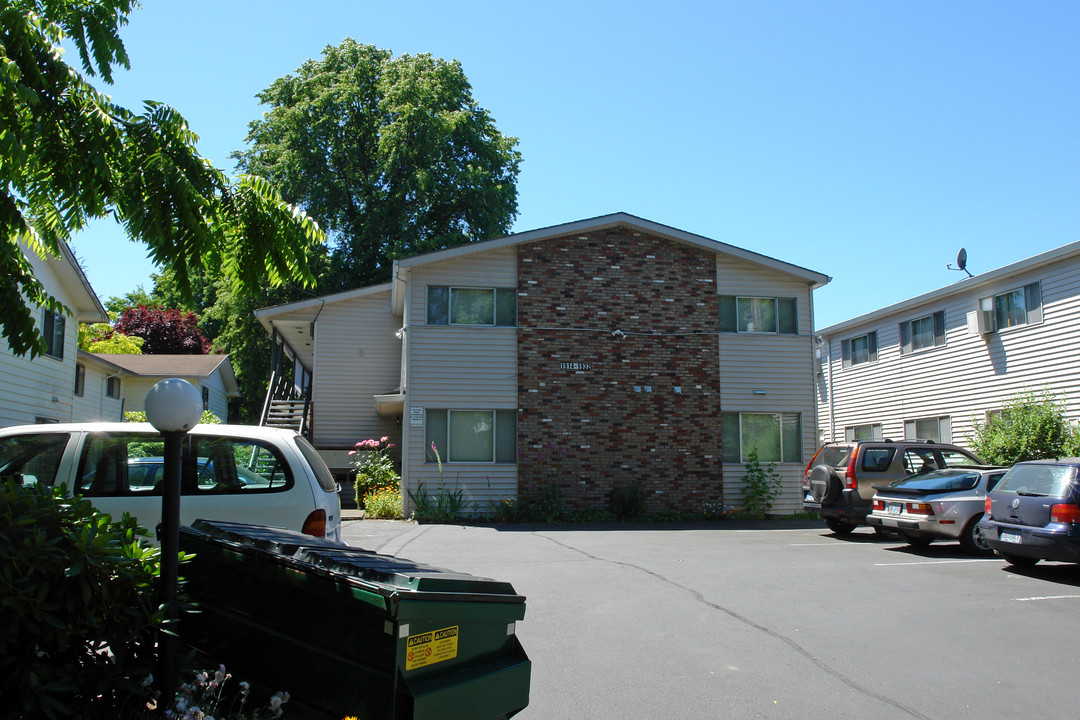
(169, 536)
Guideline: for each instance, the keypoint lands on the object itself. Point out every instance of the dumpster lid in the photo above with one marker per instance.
(400, 572)
(393, 574)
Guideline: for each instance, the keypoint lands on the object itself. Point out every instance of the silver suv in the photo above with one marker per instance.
(839, 481)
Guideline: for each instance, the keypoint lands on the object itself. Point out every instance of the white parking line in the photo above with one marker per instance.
(939, 562)
(1048, 597)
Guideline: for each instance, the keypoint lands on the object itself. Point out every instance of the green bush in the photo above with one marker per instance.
(384, 504)
(374, 469)
(628, 501)
(78, 606)
(761, 486)
(1030, 427)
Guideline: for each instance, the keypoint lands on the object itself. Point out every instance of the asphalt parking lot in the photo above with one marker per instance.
(775, 620)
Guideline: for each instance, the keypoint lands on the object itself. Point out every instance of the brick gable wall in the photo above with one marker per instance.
(605, 409)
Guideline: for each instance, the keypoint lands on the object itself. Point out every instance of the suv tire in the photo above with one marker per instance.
(839, 527)
(825, 484)
(1021, 561)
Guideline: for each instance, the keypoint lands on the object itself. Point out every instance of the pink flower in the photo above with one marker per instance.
(385, 439)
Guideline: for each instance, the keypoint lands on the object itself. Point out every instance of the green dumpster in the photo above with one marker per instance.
(348, 632)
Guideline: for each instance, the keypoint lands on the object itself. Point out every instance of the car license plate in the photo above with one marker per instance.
(894, 508)
(1009, 537)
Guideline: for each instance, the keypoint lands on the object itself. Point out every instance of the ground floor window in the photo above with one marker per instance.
(471, 436)
(938, 429)
(777, 436)
(863, 432)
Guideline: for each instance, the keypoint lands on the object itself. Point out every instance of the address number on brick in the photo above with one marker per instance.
(575, 366)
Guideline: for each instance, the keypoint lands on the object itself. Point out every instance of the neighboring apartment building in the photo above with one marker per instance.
(43, 389)
(605, 352)
(931, 366)
(120, 382)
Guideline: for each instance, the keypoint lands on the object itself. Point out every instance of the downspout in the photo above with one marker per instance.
(832, 408)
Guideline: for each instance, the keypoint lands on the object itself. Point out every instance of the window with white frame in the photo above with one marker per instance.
(1020, 306)
(859, 350)
(52, 329)
(112, 387)
(938, 429)
(448, 305)
(777, 315)
(477, 436)
(922, 333)
(777, 436)
(863, 432)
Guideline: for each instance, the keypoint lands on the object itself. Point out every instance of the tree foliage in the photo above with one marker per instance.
(164, 331)
(392, 155)
(102, 338)
(69, 154)
(1031, 426)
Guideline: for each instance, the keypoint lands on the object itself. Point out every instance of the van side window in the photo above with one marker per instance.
(877, 459)
(237, 465)
(32, 459)
(121, 464)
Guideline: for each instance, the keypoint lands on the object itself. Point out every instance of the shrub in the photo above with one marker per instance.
(628, 501)
(78, 606)
(1030, 427)
(384, 503)
(761, 486)
(374, 469)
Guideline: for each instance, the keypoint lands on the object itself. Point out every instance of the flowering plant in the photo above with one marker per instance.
(374, 468)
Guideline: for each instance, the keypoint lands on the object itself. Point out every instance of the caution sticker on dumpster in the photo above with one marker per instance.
(431, 647)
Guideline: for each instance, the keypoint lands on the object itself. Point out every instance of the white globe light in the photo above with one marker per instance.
(173, 405)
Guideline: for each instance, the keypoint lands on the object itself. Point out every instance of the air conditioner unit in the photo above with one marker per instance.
(985, 316)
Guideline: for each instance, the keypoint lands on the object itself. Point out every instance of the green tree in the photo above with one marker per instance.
(102, 338)
(392, 155)
(1031, 426)
(69, 154)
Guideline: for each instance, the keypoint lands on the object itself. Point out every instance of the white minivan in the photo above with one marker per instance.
(238, 473)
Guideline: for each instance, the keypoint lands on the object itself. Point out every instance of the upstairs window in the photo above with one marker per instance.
(759, 315)
(52, 328)
(776, 436)
(925, 332)
(471, 306)
(1022, 306)
(859, 350)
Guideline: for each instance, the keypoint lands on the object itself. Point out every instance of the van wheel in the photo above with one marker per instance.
(1018, 560)
(972, 540)
(839, 526)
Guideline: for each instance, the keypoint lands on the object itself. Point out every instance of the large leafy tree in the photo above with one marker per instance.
(69, 154)
(163, 331)
(391, 154)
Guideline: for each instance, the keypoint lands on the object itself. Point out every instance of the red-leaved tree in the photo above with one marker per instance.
(164, 331)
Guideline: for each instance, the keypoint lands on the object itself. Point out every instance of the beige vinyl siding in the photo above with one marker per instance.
(357, 356)
(969, 374)
(459, 368)
(780, 365)
(218, 401)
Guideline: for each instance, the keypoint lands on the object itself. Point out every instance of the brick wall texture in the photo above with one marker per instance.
(601, 409)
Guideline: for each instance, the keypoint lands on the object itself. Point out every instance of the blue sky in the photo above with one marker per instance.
(865, 140)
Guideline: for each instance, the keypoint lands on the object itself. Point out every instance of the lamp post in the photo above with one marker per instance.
(173, 406)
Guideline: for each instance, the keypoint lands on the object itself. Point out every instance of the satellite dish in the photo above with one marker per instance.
(961, 262)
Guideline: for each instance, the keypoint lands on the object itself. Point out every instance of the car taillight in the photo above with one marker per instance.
(1064, 513)
(849, 473)
(879, 505)
(986, 510)
(315, 524)
(920, 509)
(806, 472)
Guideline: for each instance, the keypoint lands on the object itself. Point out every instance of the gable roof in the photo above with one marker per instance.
(163, 366)
(962, 286)
(602, 222)
(86, 306)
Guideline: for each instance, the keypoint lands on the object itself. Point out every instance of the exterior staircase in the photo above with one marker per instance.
(286, 414)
